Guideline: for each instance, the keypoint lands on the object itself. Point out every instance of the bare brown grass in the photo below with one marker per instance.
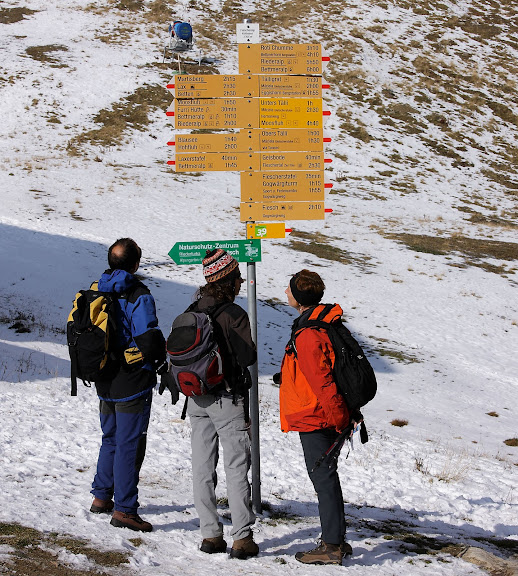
(320, 245)
(131, 112)
(473, 251)
(46, 53)
(34, 553)
(13, 15)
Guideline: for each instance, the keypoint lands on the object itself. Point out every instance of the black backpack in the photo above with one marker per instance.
(194, 355)
(352, 371)
(92, 337)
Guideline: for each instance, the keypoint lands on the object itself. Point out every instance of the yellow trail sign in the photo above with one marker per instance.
(290, 112)
(240, 161)
(281, 211)
(289, 139)
(222, 113)
(281, 59)
(255, 231)
(245, 86)
(282, 186)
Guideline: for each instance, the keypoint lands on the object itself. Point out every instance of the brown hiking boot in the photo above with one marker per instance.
(131, 521)
(101, 506)
(322, 554)
(244, 548)
(346, 549)
(213, 545)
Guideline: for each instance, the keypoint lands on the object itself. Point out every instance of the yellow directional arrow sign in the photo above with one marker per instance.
(281, 59)
(222, 113)
(282, 186)
(217, 161)
(259, 231)
(281, 211)
(290, 139)
(290, 112)
(245, 86)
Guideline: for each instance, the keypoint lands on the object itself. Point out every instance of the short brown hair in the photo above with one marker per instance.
(307, 287)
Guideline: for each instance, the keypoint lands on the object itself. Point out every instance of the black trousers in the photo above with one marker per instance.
(326, 483)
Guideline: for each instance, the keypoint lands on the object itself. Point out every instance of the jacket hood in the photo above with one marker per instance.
(118, 281)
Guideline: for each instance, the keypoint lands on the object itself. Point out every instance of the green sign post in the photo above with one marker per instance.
(194, 252)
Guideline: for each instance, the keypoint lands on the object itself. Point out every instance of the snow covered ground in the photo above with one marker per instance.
(442, 332)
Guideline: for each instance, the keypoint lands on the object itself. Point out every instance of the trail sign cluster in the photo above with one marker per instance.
(273, 116)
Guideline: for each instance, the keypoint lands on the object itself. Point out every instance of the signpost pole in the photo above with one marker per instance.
(254, 392)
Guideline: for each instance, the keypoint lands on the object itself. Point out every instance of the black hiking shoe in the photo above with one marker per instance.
(131, 521)
(346, 549)
(213, 545)
(101, 506)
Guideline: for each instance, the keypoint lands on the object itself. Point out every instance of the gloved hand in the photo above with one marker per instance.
(277, 378)
(167, 381)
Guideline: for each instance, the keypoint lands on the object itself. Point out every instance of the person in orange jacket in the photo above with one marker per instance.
(311, 405)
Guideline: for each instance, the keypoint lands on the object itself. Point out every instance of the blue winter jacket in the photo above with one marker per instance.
(141, 344)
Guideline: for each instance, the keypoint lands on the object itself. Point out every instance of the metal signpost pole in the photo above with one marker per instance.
(254, 392)
(249, 33)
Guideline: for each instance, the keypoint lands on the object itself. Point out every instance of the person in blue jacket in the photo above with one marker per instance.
(125, 400)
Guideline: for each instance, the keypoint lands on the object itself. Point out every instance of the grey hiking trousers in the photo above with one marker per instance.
(216, 419)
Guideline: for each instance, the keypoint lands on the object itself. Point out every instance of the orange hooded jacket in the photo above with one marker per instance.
(308, 397)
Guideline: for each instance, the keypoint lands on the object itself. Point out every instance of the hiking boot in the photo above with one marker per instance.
(322, 554)
(101, 506)
(213, 545)
(244, 548)
(346, 549)
(131, 521)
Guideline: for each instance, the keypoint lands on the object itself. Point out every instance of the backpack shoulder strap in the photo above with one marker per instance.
(134, 292)
(213, 311)
(217, 309)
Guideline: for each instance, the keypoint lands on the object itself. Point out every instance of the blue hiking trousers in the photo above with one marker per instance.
(124, 425)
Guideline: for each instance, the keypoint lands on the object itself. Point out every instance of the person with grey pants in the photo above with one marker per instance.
(221, 417)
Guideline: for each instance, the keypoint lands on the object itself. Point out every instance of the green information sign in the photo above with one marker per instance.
(194, 252)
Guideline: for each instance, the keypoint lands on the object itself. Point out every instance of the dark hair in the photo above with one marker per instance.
(307, 287)
(124, 254)
(223, 290)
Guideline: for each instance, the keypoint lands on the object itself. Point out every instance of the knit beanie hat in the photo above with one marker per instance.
(218, 264)
(304, 297)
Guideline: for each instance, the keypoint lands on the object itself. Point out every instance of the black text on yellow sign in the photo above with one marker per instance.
(284, 140)
(281, 59)
(240, 161)
(281, 211)
(225, 113)
(246, 86)
(282, 186)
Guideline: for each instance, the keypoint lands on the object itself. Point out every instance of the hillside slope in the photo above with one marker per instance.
(420, 251)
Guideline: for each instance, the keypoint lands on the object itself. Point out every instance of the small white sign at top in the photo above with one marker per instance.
(247, 33)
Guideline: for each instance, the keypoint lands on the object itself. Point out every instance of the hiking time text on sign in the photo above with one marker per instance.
(240, 161)
(283, 186)
(220, 113)
(281, 211)
(283, 140)
(281, 59)
(246, 86)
